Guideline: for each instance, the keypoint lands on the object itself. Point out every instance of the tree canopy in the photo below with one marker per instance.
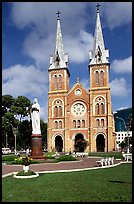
(14, 115)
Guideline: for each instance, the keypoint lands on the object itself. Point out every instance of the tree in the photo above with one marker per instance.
(8, 122)
(21, 107)
(24, 135)
(43, 126)
(81, 145)
(7, 101)
(122, 145)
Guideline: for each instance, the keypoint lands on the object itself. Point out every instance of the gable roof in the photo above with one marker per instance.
(73, 87)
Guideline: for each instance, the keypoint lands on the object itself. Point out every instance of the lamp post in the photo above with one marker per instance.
(14, 132)
(6, 140)
(127, 129)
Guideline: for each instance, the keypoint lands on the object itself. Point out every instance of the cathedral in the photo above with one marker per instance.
(77, 113)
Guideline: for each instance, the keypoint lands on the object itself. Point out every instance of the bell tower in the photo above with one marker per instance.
(101, 117)
(57, 96)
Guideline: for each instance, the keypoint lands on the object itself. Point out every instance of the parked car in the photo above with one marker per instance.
(22, 151)
(6, 150)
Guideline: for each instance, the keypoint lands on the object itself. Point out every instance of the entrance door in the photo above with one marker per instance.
(100, 143)
(78, 142)
(58, 143)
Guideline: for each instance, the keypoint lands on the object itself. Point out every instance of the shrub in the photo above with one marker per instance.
(81, 145)
(24, 161)
(9, 158)
(66, 158)
(50, 155)
(22, 173)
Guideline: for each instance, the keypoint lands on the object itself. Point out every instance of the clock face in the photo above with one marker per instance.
(78, 109)
(78, 92)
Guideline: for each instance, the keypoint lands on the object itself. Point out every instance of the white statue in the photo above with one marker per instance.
(35, 115)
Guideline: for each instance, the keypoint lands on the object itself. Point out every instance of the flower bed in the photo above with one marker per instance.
(24, 175)
(24, 161)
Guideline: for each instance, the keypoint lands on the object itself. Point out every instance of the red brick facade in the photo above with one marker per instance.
(76, 111)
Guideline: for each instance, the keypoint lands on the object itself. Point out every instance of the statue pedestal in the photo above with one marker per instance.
(36, 146)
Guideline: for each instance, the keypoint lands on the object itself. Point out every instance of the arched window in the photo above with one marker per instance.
(78, 123)
(97, 108)
(83, 123)
(60, 111)
(74, 123)
(97, 77)
(97, 123)
(102, 108)
(60, 124)
(101, 78)
(102, 122)
(60, 82)
(55, 81)
(56, 124)
(55, 111)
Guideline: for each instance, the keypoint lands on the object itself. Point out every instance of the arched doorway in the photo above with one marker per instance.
(77, 144)
(100, 143)
(58, 143)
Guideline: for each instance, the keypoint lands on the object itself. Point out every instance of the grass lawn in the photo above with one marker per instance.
(102, 185)
(116, 155)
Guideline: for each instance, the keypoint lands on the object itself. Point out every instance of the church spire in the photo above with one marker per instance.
(59, 59)
(99, 54)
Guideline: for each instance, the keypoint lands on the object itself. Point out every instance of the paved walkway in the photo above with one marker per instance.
(83, 163)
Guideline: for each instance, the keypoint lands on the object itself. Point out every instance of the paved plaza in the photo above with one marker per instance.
(83, 163)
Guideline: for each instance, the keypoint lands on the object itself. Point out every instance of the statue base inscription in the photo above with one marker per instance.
(36, 146)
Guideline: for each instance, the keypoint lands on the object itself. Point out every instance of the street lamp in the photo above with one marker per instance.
(6, 140)
(127, 129)
(14, 132)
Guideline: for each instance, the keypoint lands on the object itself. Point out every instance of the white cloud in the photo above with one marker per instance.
(24, 80)
(40, 49)
(122, 108)
(122, 66)
(78, 46)
(28, 81)
(119, 87)
(116, 14)
(42, 15)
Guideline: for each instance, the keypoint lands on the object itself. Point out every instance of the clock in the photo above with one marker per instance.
(78, 92)
(78, 109)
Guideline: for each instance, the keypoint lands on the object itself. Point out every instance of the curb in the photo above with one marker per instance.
(73, 170)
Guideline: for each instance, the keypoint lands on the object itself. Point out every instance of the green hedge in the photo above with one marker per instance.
(49, 155)
(116, 155)
(66, 158)
(9, 157)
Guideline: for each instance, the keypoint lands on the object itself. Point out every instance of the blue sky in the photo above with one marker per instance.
(28, 40)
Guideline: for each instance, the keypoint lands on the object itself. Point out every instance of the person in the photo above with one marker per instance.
(35, 115)
(27, 152)
(70, 151)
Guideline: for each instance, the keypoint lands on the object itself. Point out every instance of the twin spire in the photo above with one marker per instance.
(59, 59)
(98, 55)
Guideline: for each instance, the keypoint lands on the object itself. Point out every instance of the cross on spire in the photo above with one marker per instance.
(97, 6)
(78, 79)
(58, 15)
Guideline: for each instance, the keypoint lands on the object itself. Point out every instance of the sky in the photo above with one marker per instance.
(28, 41)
